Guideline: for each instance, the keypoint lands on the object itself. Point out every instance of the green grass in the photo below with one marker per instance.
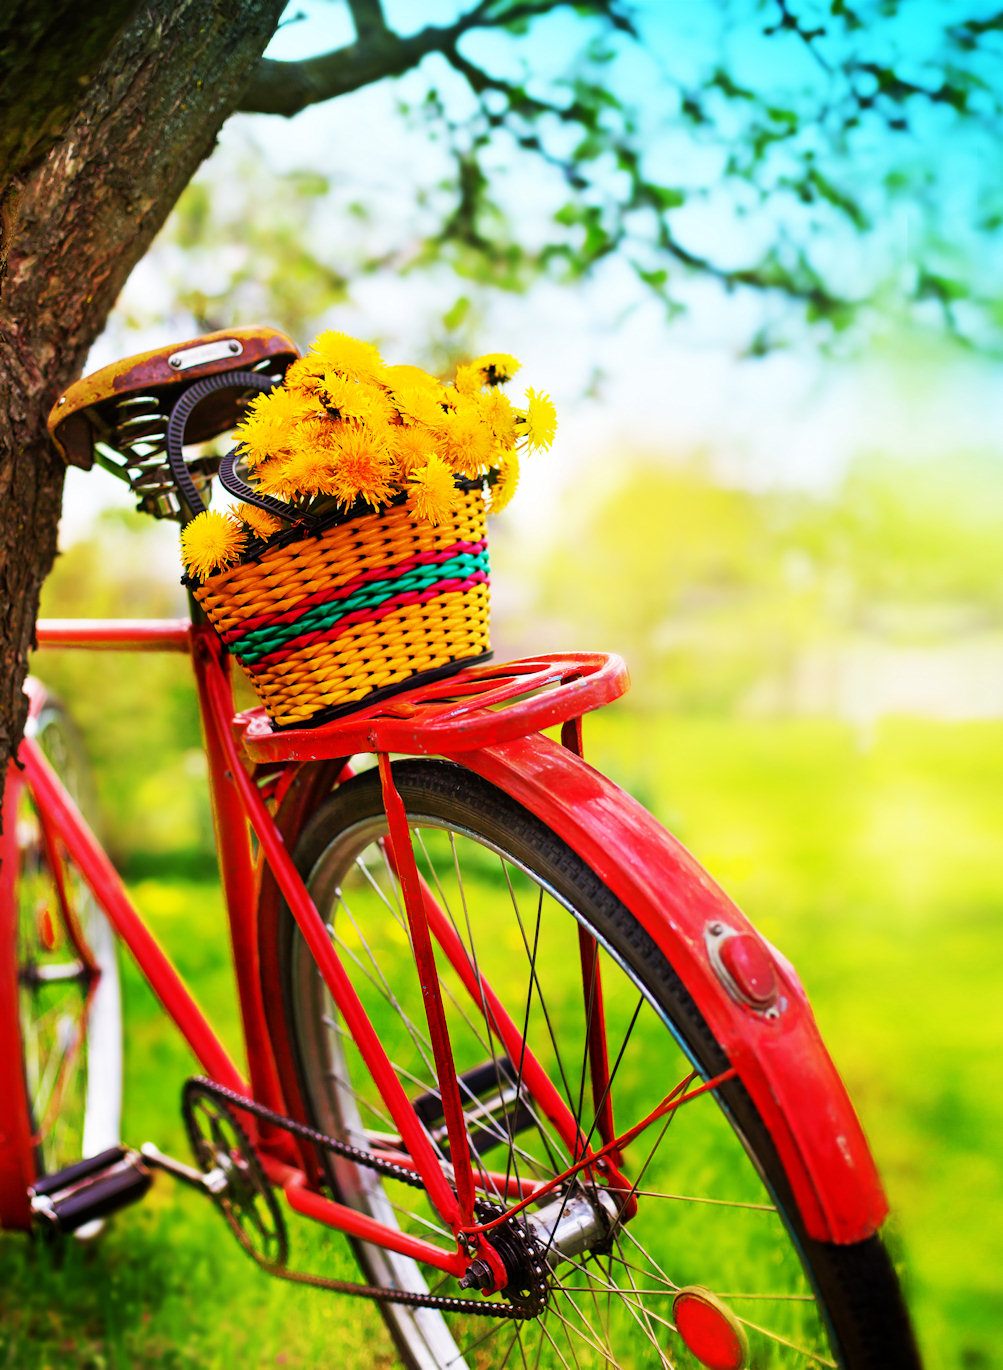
(874, 868)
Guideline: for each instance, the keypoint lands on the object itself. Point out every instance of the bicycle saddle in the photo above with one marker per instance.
(127, 402)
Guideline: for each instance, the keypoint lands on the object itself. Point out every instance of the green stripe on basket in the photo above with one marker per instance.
(319, 617)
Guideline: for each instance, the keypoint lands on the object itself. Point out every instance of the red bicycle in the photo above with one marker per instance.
(501, 1030)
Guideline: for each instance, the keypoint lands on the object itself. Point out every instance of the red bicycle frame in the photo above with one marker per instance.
(483, 718)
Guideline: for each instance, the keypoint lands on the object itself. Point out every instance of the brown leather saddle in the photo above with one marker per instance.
(119, 415)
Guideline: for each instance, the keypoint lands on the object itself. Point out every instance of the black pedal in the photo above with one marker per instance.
(91, 1189)
(495, 1110)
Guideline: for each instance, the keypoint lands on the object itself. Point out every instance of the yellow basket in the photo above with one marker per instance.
(368, 606)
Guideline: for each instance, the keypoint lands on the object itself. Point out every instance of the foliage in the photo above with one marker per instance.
(707, 590)
(137, 711)
(841, 158)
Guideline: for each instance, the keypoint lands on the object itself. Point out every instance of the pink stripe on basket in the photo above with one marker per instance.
(399, 568)
(369, 616)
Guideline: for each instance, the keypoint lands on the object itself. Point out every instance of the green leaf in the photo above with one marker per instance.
(454, 317)
(667, 197)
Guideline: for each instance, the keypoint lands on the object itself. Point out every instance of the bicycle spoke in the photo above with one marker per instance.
(522, 998)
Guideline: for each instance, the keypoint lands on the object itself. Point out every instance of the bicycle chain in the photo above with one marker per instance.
(523, 1306)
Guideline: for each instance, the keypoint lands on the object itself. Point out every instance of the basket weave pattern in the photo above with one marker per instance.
(368, 604)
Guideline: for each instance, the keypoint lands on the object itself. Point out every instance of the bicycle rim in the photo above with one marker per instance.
(71, 1031)
(713, 1206)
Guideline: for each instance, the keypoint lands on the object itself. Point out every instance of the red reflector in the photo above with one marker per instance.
(748, 963)
(47, 930)
(710, 1330)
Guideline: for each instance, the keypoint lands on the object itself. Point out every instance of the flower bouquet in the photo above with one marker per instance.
(375, 571)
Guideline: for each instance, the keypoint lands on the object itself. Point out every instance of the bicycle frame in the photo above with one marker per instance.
(782, 1063)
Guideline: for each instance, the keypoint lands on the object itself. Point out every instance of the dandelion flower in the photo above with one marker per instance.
(261, 434)
(411, 448)
(210, 542)
(290, 406)
(539, 422)
(432, 491)
(261, 523)
(348, 355)
(419, 404)
(496, 367)
(305, 374)
(504, 480)
(396, 376)
(498, 414)
(309, 471)
(466, 441)
(343, 399)
(362, 470)
(469, 379)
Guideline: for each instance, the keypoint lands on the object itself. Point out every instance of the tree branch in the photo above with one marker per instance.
(287, 87)
(368, 18)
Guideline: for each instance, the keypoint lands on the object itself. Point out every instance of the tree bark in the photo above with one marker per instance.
(88, 211)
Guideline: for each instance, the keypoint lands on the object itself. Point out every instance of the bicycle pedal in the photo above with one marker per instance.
(68, 1199)
(494, 1107)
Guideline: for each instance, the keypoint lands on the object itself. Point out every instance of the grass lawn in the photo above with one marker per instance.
(874, 868)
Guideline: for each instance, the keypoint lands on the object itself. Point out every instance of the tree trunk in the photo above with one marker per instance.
(88, 212)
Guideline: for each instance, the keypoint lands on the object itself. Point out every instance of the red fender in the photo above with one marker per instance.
(780, 1057)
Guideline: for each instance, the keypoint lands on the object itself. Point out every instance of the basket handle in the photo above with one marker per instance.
(233, 484)
(180, 414)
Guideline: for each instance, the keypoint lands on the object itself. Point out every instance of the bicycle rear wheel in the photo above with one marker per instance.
(69, 1010)
(714, 1213)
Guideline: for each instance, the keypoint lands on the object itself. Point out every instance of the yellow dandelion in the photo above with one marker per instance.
(274, 478)
(309, 471)
(504, 480)
(410, 448)
(539, 422)
(431, 491)
(469, 379)
(496, 367)
(362, 470)
(261, 523)
(465, 440)
(261, 435)
(291, 406)
(497, 412)
(344, 398)
(419, 403)
(305, 374)
(396, 376)
(211, 542)
(348, 355)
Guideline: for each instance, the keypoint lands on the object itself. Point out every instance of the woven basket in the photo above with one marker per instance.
(368, 606)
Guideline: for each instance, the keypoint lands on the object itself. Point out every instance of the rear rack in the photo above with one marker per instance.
(479, 706)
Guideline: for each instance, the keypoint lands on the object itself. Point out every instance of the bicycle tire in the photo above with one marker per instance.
(79, 1115)
(839, 1305)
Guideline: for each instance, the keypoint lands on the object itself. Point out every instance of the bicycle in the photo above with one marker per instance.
(502, 1031)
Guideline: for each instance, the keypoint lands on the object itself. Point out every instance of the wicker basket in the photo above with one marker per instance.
(369, 605)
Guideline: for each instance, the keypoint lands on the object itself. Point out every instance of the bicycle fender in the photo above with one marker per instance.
(779, 1058)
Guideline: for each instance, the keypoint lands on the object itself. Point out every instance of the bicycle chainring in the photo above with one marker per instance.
(244, 1196)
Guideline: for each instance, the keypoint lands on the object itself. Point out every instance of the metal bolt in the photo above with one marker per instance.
(478, 1276)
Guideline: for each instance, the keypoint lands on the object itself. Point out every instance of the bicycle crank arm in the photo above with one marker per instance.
(212, 1182)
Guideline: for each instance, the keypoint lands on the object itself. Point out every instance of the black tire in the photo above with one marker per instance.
(85, 1119)
(710, 1219)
